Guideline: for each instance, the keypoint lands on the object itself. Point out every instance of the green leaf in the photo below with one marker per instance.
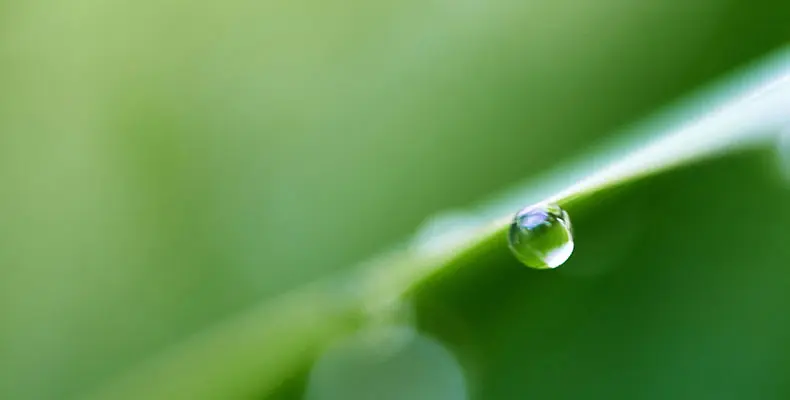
(256, 351)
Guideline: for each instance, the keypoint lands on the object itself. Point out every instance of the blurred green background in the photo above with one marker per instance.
(165, 165)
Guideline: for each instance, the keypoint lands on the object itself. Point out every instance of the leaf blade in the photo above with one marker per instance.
(295, 327)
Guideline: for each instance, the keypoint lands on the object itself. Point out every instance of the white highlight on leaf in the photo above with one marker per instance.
(444, 231)
(745, 121)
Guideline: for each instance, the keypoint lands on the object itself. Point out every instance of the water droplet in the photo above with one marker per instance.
(540, 236)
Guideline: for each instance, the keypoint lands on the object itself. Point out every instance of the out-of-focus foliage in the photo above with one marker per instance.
(164, 165)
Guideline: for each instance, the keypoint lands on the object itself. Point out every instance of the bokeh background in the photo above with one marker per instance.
(165, 165)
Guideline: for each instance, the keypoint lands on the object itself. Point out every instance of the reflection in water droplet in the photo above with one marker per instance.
(540, 236)
(392, 364)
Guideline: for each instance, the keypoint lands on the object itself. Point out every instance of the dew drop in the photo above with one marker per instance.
(540, 236)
